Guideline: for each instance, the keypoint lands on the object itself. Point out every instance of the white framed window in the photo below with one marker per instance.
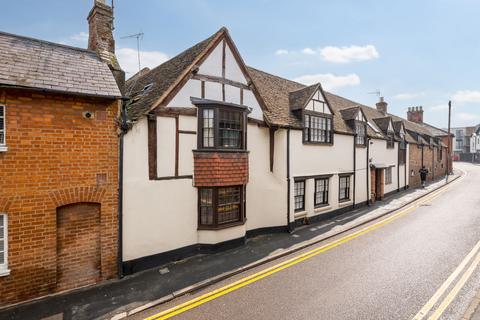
(3, 128)
(388, 175)
(4, 245)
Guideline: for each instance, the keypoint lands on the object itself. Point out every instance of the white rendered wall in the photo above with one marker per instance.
(154, 220)
(314, 159)
(380, 154)
(266, 191)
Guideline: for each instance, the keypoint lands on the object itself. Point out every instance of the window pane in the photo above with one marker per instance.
(230, 129)
(228, 208)
(208, 132)
(206, 206)
(299, 193)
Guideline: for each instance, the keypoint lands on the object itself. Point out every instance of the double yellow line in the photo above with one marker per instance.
(475, 254)
(288, 263)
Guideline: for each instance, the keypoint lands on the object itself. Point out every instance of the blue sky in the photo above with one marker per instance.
(414, 52)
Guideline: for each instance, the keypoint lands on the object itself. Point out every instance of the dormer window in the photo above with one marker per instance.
(317, 128)
(360, 132)
(390, 141)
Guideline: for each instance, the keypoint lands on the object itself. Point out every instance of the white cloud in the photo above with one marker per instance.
(330, 81)
(308, 51)
(281, 52)
(466, 96)
(81, 37)
(468, 116)
(349, 54)
(128, 59)
(408, 95)
(439, 107)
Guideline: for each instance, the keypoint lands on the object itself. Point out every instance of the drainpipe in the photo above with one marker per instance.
(123, 131)
(368, 171)
(354, 167)
(288, 181)
(398, 167)
(405, 165)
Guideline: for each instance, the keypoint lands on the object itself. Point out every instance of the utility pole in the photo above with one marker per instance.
(450, 140)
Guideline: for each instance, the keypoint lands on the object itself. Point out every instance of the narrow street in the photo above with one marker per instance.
(389, 271)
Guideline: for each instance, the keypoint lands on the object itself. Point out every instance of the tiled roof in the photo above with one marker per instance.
(37, 64)
(350, 113)
(275, 91)
(382, 123)
(162, 78)
(299, 98)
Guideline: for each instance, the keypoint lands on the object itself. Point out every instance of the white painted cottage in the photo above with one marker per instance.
(218, 151)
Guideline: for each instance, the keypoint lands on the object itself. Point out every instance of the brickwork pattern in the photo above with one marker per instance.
(213, 169)
(54, 157)
(437, 167)
(78, 245)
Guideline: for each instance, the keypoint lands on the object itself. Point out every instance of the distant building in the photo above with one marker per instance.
(465, 142)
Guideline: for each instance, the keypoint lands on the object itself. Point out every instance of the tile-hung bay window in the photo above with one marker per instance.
(299, 195)
(221, 128)
(220, 206)
(388, 175)
(3, 245)
(3, 127)
(344, 188)
(360, 131)
(317, 128)
(321, 192)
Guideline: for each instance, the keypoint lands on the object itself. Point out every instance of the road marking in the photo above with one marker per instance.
(181, 308)
(460, 284)
(433, 300)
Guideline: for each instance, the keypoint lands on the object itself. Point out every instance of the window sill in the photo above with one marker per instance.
(3, 148)
(318, 143)
(300, 214)
(222, 150)
(360, 146)
(4, 272)
(344, 203)
(322, 208)
(222, 226)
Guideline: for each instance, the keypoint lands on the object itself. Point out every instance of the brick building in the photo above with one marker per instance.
(429, 147)
(58, 162)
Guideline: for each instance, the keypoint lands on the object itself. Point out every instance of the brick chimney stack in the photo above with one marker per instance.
(100, 38)
(382, 106)
(415, 114)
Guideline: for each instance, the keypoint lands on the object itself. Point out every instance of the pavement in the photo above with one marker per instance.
(118, 298)
(419, 259)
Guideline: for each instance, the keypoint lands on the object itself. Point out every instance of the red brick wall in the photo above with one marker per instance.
(56, 157)
(220, 169)
(78, 245)
(435, 166)
(415, 163)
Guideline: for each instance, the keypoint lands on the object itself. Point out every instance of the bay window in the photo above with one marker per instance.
(317, 128)
(221, 128)
(220, 206)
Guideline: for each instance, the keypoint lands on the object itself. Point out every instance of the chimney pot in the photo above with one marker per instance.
(415, 114)
(382, 106)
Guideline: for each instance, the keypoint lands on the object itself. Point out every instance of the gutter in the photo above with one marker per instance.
(398, 167)
(123, 131)
(407, 146)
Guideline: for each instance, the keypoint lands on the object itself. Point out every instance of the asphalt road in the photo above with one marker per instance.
(390, 272)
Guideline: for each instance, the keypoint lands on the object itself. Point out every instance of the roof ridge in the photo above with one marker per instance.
(279, 77)
(48, 42)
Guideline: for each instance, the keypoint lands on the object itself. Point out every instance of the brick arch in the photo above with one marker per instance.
(5, 203)
(67, 196)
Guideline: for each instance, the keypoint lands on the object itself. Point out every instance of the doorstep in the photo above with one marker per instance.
(118, 299)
